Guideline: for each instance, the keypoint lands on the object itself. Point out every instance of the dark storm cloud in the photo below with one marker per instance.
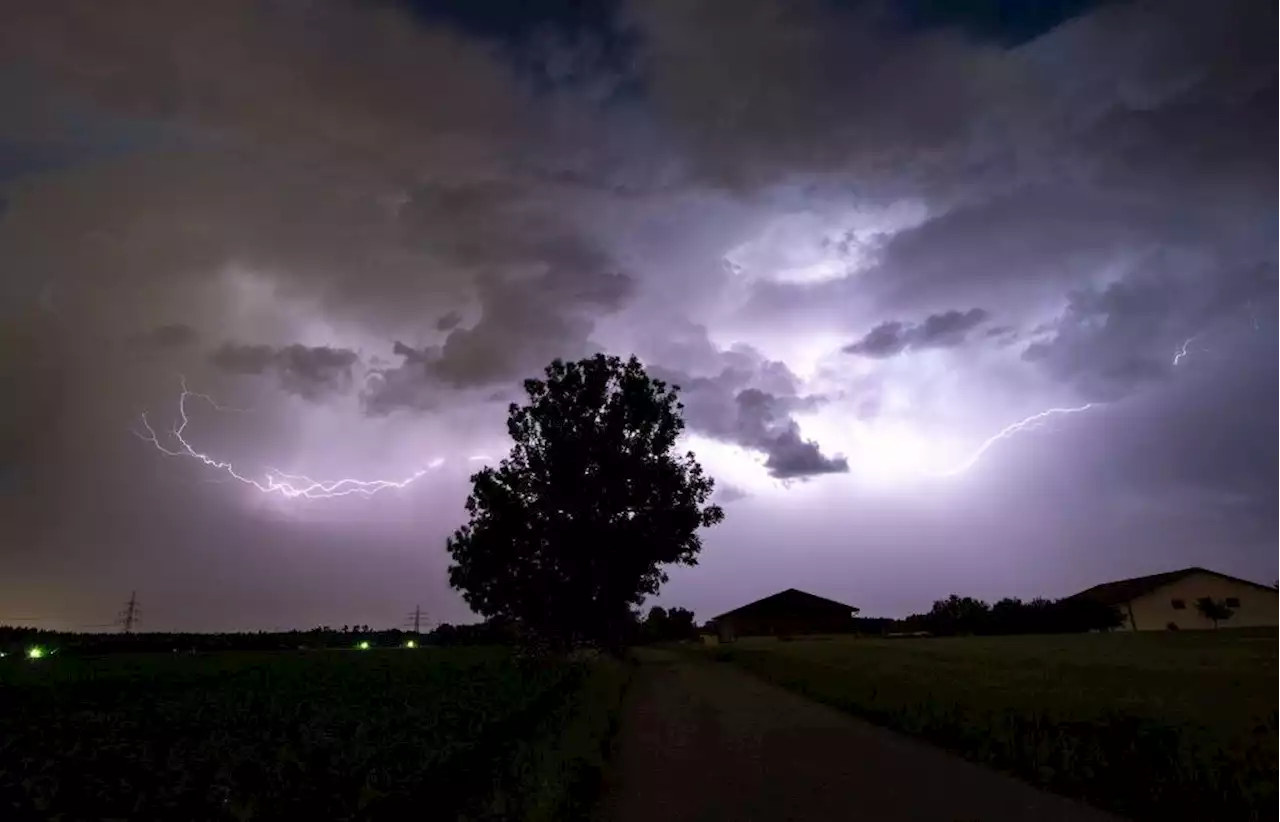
(448, 321)
(410, 385)
(244, 359)
(169, 335)
(1166, 140)
(887, 339)
(764, 424)
(311, 372)
(1114, 339)
(946, 330)
(525, 322)
(1237, 462)
(380, 187)
(266, 69)
(395, 187)
(538, 287)
(739, 396)
(805, 88)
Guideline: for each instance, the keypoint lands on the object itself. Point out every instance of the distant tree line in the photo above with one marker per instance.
(666, 625)
(957, 615)
(874, 625)
(16, 641)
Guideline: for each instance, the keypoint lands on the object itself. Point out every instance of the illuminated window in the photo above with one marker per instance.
(1233, 602)
(1178, 604)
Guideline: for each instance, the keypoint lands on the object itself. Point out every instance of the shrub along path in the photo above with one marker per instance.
(702, 741)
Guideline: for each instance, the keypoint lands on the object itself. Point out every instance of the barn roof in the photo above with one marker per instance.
(1127, 590)
(790, 597)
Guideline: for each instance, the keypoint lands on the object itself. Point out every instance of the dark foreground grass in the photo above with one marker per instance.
(426, 734)
(1153, 726)
(555, 773)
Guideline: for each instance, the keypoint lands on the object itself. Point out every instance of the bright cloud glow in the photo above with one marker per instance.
(893, 451)
(732, 464)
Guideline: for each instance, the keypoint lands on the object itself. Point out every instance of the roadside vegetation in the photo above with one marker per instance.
(1153, 726)
(382, 734)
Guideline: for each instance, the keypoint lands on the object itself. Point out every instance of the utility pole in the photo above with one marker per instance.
(130, 615)
(415, 619)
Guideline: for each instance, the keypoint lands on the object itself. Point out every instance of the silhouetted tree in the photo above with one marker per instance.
(1010, 616)
(1215, 610)
(1087, 615)
(662, 625)
(573, 529)
(959, 615)
(1080, 614)
(680, 624)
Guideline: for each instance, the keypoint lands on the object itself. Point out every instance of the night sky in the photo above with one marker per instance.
(866, 238)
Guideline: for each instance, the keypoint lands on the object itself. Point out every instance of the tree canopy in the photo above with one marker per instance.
(668, 625)
(574, 528)
(1214, 610)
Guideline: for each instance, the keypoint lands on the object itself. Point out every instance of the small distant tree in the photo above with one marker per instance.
(654, 627)
(662, 625)
(958, 615)
(1010, 616)
(680, 624)
(1215, 610)
(574, 528)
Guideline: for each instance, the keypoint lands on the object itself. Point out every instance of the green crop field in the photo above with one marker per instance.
(381, 734)
(1154, 726)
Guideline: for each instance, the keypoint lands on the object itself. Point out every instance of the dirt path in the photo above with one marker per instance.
(702, 741)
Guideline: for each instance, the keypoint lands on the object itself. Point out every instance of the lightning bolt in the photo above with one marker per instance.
(1008, 431)
(290, 486)
(1183, 351)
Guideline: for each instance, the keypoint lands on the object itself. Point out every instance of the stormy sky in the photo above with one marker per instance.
(866, 238)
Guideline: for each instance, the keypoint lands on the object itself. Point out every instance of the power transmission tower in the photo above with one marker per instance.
(415, 619)
(131, 613)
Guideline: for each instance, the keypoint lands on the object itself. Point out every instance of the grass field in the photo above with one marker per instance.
(1154, 726)
(429, 734)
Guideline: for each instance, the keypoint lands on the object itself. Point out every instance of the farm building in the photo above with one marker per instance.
(786, 613)
(1167, 601)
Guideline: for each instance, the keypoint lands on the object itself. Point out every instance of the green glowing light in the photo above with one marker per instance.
(411, 644)
(35, 652)
(364, 646)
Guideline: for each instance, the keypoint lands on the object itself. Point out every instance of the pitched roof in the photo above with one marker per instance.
(1127, 590)
(794, 596)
